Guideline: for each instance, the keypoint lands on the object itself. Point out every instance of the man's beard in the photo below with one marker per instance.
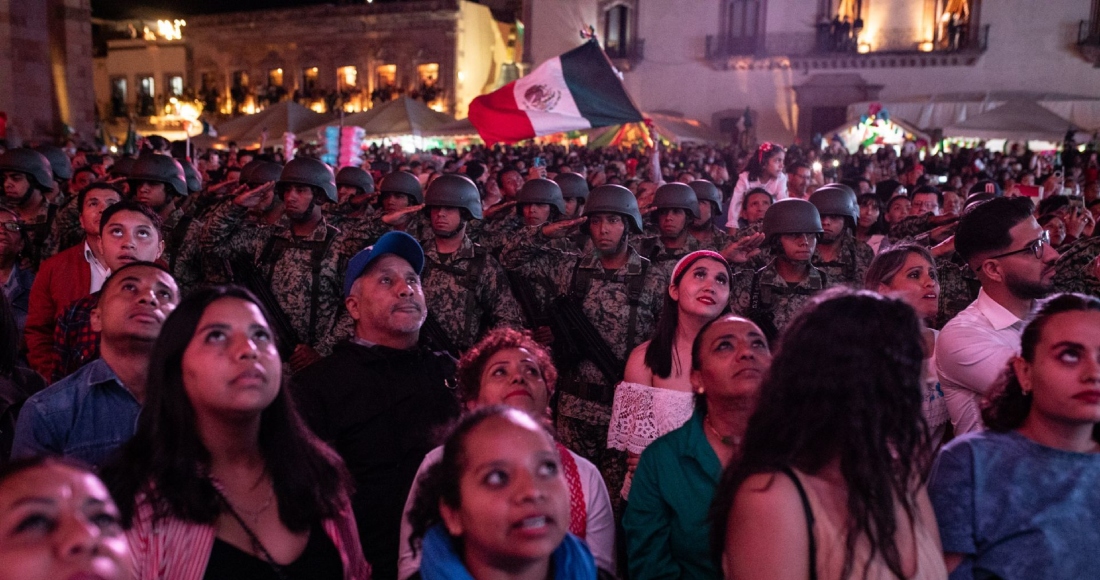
(1027, 289)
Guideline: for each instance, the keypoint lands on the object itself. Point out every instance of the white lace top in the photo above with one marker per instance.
(641, 414)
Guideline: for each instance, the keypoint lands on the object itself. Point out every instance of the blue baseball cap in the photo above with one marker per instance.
(398, 243)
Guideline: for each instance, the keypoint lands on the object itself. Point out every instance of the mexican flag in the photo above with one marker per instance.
(577, 90)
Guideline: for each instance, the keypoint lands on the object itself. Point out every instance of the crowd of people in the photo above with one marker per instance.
(542, 361)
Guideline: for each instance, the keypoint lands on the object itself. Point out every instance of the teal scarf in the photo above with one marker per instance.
(571, 560)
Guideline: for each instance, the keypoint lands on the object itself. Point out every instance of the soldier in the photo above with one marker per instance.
(257, 173)
(65, 231)
(675, 206)
(62, 168)
(400, 198)
(771, 295)
(294, 262)
(615, 302)
(574, 189)
(159, 182)
(924, 225)
(465, 288)
(1078, 269)
(839, 254)
(710, 236)
(355, 194)
(27, 178)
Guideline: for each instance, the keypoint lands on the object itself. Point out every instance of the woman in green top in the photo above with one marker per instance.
(666, 525)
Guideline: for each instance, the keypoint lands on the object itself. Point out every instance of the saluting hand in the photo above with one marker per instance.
(394, 217)
(493, 212)
(561, 229)
(253, 197)
(743, 250)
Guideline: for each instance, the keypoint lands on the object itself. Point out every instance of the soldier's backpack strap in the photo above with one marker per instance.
(273, 251)
(649, 248)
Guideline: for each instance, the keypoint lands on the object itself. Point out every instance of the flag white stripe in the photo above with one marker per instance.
(545, 98)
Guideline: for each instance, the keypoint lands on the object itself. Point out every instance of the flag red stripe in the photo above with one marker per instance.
(497, 117)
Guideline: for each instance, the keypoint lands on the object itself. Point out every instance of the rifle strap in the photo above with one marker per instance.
(581, 284)
(273, 251)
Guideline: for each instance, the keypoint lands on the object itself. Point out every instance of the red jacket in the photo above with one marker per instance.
(61, 280)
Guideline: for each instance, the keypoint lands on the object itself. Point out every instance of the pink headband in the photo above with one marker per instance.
(693, 257)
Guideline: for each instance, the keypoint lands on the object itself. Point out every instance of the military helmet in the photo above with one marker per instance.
(573, 185)
(836, 199)
(307, 171)
(403, 182)
(246, 171)
(541, 190)
(31, 162)
(707, 191)
(454, 190)
(160, 169)
(676, 196)
(258, 172)
(122, 167)
(791, 216)
(59, 162)
(194, 180)
(355, 177)
(612, 198)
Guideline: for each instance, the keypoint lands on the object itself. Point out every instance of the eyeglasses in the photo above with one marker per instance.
(14, 227)
(1035, 247)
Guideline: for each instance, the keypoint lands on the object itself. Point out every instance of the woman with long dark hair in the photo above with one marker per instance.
(1022, 499)
(496, 506)
(223, 479)
(908, 271)
(830, 480)
(765, 169)
(655, 395)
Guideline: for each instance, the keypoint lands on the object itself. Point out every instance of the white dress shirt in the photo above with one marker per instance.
(99, 270)
(972, 352)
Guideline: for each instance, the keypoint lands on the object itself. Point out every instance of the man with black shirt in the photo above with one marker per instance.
(379, 399)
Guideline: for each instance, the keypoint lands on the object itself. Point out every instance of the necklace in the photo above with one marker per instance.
(254, 515)
(727, 440)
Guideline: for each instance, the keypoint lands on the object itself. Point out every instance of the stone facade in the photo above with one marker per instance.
(294, 41)
(46, 69)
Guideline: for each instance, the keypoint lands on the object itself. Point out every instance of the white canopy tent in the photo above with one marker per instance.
(930, 112)
(1014, 121)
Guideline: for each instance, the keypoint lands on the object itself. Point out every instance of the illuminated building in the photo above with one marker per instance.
(799, 64)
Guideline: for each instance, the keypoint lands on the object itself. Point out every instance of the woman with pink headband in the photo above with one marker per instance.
(655, 396)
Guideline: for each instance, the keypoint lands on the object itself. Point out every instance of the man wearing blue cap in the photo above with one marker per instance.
(379, 398)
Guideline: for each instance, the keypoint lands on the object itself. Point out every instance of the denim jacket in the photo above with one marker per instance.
(87, 416)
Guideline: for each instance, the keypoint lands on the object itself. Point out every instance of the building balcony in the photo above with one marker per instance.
(626, 56)
(808, 52)
(1088, 41)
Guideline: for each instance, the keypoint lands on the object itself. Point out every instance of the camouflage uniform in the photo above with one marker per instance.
(309, 291)
(66, 230)
(191, 267)
(766, 298)
(494, 235)
(1073, 272)
(765, 255)
(911, 227)
(958, 287)
(37, 230)
(622, 306)
(467, 293)
(173, 239)
(360, 233)
(336, 214)
(662, 259)
(853, 259)
(714, 238)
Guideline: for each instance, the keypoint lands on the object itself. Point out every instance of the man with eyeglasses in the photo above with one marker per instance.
(1011, 255)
